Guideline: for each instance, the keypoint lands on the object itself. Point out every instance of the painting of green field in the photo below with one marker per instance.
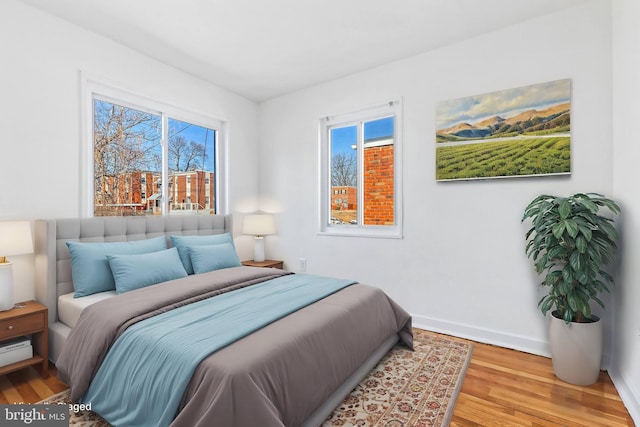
(523, 156)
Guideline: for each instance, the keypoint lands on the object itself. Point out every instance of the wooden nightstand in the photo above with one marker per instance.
(31, 318)
(268, 263)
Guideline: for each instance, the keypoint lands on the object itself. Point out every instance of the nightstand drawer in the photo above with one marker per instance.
(27, 318)
(22, 325)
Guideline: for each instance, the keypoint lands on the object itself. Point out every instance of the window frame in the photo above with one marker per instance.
(106, 91)
(358, 117)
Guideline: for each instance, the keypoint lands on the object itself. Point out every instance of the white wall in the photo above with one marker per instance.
(42, 57)
(625, 369)
(461, 267)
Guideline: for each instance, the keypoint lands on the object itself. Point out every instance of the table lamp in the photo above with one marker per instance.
(15, 239)
(258, 225)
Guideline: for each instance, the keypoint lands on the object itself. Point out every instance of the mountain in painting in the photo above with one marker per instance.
(534, 122)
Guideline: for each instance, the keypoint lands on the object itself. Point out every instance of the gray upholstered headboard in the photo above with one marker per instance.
(53, 263)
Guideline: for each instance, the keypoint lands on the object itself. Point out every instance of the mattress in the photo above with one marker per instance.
(69, 308)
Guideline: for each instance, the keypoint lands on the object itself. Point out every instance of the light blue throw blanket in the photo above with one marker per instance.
(143, 377)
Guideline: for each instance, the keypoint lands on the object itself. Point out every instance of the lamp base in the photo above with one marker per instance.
(6, 287)
(258, 249)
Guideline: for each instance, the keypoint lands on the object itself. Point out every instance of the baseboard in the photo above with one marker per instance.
(487, 336)
(630, 396)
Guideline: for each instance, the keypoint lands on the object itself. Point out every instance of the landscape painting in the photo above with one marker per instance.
(525, 131)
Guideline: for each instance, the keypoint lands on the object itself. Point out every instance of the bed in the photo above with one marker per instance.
(290, 370)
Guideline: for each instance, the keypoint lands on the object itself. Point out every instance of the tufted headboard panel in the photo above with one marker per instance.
(53, 262)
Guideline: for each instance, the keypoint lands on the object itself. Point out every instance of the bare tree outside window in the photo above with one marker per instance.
(125, 141)
(128, 163)
(344, 174)
(191, 164)
(185, 155)
(343, 170)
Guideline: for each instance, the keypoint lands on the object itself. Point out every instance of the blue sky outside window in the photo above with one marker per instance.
(344, 138)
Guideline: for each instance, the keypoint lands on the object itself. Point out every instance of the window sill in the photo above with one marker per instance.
(393, 233)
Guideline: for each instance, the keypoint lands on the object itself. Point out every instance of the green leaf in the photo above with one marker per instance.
(601, 286)
(609, 230)
(585, 231)
(571, 227)
(581, 244)
(557, 252)
(598, 300)
(574, 303)
(564, 208)
(531, 230)
(606, 276)
(587, 203)
(552, 278)
(558, 229)
(567, 274)
(563, 287)
(582, 277)
(613, 206)
(575, 260)
(545, 304)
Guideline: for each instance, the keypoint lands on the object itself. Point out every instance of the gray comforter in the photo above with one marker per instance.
(274, 377)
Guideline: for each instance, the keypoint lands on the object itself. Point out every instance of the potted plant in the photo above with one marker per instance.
(570, 243)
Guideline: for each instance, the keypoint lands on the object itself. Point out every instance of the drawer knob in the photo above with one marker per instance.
(10, 327)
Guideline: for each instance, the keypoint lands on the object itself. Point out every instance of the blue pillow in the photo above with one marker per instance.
(137, 271)
(213, 257)
(183, 243)
(89, 266)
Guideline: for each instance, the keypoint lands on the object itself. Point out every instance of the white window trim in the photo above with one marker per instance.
(108, 91)
(324, 187)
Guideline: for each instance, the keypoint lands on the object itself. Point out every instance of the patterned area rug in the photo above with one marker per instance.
(407, 388)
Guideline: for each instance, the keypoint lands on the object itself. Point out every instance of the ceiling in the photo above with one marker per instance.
(263, 49)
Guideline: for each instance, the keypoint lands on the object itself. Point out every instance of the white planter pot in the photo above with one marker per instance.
(576, 350)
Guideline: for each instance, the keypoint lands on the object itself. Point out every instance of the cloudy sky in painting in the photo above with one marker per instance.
(504, 103)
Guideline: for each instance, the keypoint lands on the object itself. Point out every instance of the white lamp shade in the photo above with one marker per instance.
(259, 225)
(15, 238)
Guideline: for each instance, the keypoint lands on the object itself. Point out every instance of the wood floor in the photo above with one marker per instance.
(501, 388)
(508, 388)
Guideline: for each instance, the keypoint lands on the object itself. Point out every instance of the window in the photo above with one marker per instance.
(361, 161)
(135, 144)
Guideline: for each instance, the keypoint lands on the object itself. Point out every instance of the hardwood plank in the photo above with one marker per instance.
(480, 412)
(9, 392)
(36, 384)
(523, 386)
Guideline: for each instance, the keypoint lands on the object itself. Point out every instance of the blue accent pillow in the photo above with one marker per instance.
(183, 243)
(89, 266)
(213, 257)
(138, 271)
